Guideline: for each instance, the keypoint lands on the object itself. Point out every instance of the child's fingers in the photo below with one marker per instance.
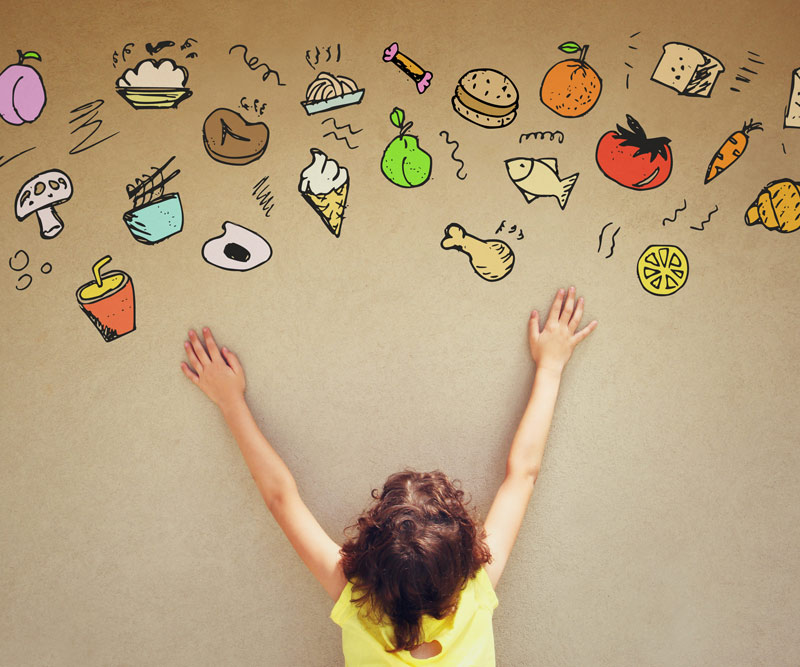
(198, 348)
(569, 306)
(585, 331)
(211, 344)
(555, 309)
(232, 360)
(575, 320)
(193, 377)
(533, 325)
(193, 360)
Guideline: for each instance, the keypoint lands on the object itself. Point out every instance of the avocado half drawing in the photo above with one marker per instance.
(236, 249)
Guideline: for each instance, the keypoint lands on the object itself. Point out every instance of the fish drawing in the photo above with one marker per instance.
(539, 178)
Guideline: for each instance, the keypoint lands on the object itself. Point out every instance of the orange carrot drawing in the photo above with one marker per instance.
(730, 151)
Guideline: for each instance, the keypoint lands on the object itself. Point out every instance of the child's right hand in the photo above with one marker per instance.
(552, 347)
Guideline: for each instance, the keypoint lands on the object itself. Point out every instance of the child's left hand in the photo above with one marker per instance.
(218, 373)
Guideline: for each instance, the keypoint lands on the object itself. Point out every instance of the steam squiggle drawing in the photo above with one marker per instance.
(673, 219)
(447, 139)
(338, 138)
(542, 135)
(263, 195)
(346, 126)
(613, 236)
(708, 219)
(317, 54)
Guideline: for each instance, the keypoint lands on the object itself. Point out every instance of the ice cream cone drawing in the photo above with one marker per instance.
(324, 186)
(492, 260)
(108, 301)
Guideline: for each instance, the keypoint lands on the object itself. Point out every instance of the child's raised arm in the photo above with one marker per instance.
(221, 377)
(551, 349)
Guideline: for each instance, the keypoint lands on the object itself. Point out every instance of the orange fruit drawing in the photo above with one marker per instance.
(571, 88)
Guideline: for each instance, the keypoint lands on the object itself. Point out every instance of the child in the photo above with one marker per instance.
(417, 579)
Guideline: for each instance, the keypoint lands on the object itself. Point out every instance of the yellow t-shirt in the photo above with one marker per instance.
(466, 636)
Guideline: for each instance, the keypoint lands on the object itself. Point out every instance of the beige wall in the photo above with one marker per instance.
(664, 527)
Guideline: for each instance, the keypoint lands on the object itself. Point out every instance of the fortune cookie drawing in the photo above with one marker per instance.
(777, 207)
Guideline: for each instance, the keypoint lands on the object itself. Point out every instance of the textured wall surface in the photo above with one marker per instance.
(664, 526)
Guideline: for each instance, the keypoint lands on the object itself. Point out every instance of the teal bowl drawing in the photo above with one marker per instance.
(156, 220)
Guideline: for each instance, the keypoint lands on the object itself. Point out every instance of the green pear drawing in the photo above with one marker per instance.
(404, 163)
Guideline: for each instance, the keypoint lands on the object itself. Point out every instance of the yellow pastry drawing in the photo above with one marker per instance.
(777, 207)
(492, 260)
(662, 269)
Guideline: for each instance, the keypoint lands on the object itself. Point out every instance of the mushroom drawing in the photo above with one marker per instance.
(40, 195)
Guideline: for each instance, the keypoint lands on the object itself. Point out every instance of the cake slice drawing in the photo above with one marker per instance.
(324, 186)
(792, 118)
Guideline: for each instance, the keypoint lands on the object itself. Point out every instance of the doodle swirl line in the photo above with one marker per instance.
(447, 139)
(675, 215)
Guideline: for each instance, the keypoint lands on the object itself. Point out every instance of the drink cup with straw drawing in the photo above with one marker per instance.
(108, 301)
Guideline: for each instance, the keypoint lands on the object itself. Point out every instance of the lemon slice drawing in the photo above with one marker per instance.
(663, 269)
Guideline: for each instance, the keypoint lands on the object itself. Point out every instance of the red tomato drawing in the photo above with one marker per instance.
(629, 158)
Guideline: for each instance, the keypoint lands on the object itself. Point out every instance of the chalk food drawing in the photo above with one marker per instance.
(230, 139)
(544, 134)
(108, 301)
(155, 215)
(662, 269)
(331, 91)
(632, 159)
(486, 97)
(457, 160)
(404, 163)
(731, 150)
(255, 65)
(627, 64)
(152, 49)
(492, 260)
(346, 128)
(41, 194)
(22, 94)
(123, 53)
(324, 185)
(256, 105)
(746, 72)
(415, 72)
(90, 109)
(4, 162)
(329, 55)
(777, 207)
(236, 249)
(706, 221)
(154, 84)
(22, 264)
(687, 70)
(263, 195)
(511, 230)
(792, 115)
(536, 178)
(674, 217)
(601, 239)
(571, 87)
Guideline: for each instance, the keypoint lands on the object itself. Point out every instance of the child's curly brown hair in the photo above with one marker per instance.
(414, 551)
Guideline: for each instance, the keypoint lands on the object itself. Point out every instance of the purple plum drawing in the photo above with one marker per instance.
(22, 95)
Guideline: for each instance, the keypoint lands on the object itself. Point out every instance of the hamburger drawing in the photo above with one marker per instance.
(487, 98)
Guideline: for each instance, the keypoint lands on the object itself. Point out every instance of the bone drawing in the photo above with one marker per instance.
(492, 260)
